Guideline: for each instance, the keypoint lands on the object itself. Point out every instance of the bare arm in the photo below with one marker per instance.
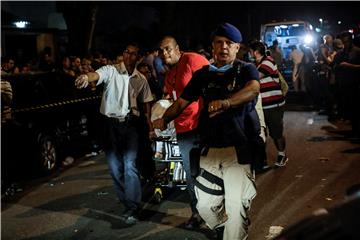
(83, 80)
(171, 113)
(246, 94)
(147, 113)
(324, 52)
(350, 66)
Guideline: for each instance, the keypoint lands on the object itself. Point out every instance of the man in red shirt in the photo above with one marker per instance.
(182, 66)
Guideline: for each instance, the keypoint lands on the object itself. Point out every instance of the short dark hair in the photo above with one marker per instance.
(135, 44)
(258, 46)
(143, 64)
(346, 35)
(293, 47)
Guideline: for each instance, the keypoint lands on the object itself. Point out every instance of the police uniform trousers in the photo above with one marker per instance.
(225, 190)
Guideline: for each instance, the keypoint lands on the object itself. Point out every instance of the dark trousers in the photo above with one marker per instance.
(121, 147)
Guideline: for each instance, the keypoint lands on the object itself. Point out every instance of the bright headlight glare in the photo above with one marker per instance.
(308, 39)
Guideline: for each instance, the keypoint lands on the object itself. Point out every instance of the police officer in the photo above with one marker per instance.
(229, 126)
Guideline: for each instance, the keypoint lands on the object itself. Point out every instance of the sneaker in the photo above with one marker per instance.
(131, 220)
(194, 222)
(129, 216)
(126, 213)
(281, 161)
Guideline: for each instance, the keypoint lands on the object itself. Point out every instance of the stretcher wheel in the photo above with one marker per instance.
(157, 195)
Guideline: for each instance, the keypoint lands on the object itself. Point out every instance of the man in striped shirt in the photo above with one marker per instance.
(272, 98)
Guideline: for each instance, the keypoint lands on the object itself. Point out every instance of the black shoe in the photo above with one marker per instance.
(262, 169)
(194, 222)
(218, 233)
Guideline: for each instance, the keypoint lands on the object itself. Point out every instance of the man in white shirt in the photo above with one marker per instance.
(124, 88)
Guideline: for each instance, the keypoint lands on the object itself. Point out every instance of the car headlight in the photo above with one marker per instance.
(308, 39)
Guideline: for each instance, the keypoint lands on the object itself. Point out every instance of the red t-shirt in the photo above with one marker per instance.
(176, 79)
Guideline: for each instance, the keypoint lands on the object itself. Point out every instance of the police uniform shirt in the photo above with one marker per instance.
(199, 82)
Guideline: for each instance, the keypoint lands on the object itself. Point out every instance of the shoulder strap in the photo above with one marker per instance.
(239, 66)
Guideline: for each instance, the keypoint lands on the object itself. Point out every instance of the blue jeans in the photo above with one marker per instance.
(121, 148)
(189, 147)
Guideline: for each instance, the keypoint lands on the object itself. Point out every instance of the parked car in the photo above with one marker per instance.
(51, 120)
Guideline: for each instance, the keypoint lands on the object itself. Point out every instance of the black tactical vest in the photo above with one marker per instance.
(235, 126)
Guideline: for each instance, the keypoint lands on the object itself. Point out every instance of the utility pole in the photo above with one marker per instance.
(92, 27)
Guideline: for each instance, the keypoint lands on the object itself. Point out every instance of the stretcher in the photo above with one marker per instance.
(166, 153)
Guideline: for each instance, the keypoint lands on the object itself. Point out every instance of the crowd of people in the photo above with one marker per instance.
(328, 74)
(216, 120)
(224, 106)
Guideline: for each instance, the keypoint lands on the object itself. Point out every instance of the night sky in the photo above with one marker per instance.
(191, 23)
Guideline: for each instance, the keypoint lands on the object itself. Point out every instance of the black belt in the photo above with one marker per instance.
(124, 120)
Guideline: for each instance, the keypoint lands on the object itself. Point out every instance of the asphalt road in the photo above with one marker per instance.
(79, 202)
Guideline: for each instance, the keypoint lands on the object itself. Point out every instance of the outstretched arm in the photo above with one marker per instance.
(83, 80)
(350, 66)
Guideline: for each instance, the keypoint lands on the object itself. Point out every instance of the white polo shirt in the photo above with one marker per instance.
(121, 91)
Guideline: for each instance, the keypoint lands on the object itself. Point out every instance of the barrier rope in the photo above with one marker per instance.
(55, 104)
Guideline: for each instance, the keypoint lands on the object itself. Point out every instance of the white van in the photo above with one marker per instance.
(288, 33)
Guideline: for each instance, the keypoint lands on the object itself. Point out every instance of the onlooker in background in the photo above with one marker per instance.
(325, 100)
(26, 68)
(296, 57)
(347, 71)
(306, 72)
(200, 50)
(276, 54)
(8, 66)
(6, 100)
(182, 67)
(272, 99)
(243, 53)
(326, 49)
(46, 63)
(161, 69)
(66, 76)
(66, 67)
(149, 60)
(8, 168)
(86, 65)
(145, 70)
(119, 59)
(126, 91)
(337, 46)
(76, 65)
(333, 84)
(105, 61)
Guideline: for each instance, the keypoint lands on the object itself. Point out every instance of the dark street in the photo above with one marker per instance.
(156, 84)
(80, 203)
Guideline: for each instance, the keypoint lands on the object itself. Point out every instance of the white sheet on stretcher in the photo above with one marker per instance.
(157, 111)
